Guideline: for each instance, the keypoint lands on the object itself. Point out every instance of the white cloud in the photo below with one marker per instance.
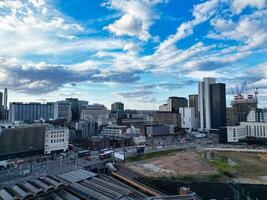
(239, 5)
(137, 17)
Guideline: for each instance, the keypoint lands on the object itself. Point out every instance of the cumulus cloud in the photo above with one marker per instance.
(137, 17)
(239, 5)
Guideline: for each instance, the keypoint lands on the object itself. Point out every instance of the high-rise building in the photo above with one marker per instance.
(218, 105)
(5, 99)
(64, 110)
(193, 103)
(205, 102)
(76, 106)
(30, 112)
(1, 99)
(174, 103)
(117, 107)
(167, 118)
(87, 128)
(243, 105)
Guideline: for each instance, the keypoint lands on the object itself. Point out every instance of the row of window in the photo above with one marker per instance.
(57, 135)
(260, 131)
(57, 140)
(57, 131)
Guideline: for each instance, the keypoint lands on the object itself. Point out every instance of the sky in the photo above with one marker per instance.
(138, 52)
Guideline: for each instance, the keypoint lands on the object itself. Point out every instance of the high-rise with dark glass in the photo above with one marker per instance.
(218, 105)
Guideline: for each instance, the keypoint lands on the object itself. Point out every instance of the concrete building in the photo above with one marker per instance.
(174, 103)
(255, 115)
(167, 118)
(243, 105)
(56, 139)
(117, 107)
(21, 140)
(114, 130)
(264, 115)
(95, 112)
(163, 108)
(204, 102)
(218, 105)
(231, 116)
(193, 103)
(247, 129)
(188, 118)
(159, 130)
(30, 112)
(87, 128)
(1, 99)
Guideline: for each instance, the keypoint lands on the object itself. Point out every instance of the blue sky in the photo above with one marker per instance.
(135, 51)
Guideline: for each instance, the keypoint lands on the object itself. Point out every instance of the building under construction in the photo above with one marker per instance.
(245, 99)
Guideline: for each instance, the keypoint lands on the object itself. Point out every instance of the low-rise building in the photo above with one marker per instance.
(167, 118)
(159, 130)
(56, 139)
(247, 129)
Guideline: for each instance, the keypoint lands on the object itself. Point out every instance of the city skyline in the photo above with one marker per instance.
(138, 52)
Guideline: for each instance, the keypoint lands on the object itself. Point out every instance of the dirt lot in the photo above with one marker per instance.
(174, 164)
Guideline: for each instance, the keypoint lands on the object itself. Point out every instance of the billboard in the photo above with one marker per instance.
(119, 155)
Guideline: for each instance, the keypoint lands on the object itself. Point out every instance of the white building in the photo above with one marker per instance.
(56, 139)
(95, 112)
(246, 129)
(163, 108)
(118, 130)
(204, 102)
(188, 118)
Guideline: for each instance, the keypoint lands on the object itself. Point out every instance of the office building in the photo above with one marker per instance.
(204, 102)
(247, 129)
(76, 106)
(95, 112)
(218, 105)
(255, 115)
(231, 116)
(167, 118)
(30, 112)
(56, 139)
(117, 107)
(174, 103)
(5, 99)
(64, 110)
(193, 103)
(87, 129)
(188, 118)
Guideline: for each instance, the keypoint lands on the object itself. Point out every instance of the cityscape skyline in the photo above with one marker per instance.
(118, 49)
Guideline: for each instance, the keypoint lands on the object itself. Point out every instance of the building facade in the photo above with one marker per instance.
(95, 112)
(218, 105)
(30, 112)
(231, 116)
(167, 118)
(76, 106)
(117, 107)
(64, 110)
(193, 103)
(188, 118)
(247, 129)
(204, 102)
(56, 139)
(87, 128)
(174, 103)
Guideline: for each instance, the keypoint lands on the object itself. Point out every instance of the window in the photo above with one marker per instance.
(51, 141)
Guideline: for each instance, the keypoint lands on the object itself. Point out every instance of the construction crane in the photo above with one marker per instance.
(256, 91)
